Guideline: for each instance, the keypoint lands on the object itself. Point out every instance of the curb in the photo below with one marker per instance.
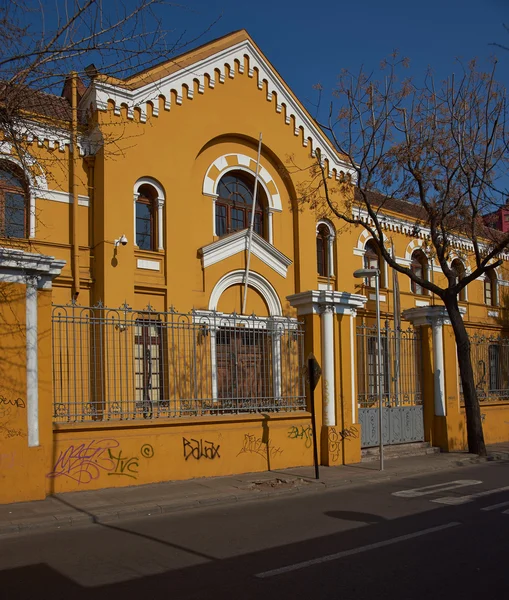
(81, 518)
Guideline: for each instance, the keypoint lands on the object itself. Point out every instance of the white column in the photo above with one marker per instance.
(270, 231)
(353, 314)
(160, 224)
(330, 251)
(276, 361)
(329, 396)
(134, 222)
(32, 363)
(438, 360)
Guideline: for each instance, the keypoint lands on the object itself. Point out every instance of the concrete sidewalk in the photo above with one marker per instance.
(102, 506)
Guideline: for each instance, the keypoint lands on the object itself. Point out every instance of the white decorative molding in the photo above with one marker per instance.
(150, 265)
(215, 68)
(58, 196)
(383, 298)
(330, 244)
(161, 199)
(240, 162)
(422, 303)
(238, 242)
(493, 313)
(256, 281)
(17, 266)
(313, 302)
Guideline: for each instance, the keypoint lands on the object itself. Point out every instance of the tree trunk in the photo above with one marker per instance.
(475, 436)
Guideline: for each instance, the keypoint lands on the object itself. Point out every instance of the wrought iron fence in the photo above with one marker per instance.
(400, 371)
(490, 363)
(123, 364)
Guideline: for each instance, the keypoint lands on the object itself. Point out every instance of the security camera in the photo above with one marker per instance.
(121, 240)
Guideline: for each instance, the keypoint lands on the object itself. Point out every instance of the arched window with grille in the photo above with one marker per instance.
(490, 288)
(459, 271)
(13, 202)
(148, 214)
(234, 204)
(372, 261)
(419, 267)
(325, 236)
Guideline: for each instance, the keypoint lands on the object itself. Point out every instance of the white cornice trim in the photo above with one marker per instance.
(17, 266)
(58, 196)
(315, 301)
(401, 225)
(238, 242)
(231, 61)
(52, 136)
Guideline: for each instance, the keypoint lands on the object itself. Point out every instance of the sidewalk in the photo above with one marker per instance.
(102, 506)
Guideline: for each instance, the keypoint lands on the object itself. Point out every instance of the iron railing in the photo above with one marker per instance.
(490, 363)
(400, 373)
(123, 364)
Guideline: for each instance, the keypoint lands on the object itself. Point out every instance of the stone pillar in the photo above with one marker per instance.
(336, 353)
(443, 413)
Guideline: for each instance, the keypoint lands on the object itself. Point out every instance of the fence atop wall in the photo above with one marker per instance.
(123, 364)
(490, 363)
(400, 371)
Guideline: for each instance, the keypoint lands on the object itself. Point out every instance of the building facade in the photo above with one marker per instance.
(134, 350)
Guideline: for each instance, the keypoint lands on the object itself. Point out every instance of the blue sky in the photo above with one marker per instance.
(310, 42)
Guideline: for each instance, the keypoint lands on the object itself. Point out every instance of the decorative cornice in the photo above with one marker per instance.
(314, 302)
(226, 62)
(429, 315)
(238, 242)
(17, 266)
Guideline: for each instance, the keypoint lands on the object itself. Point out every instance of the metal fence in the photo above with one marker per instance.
(400, 373)
(124, 364)
(490, 363)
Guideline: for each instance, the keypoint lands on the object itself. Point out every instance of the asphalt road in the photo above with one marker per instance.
(390, 540)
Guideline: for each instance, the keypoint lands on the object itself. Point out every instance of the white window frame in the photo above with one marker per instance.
(160, 206)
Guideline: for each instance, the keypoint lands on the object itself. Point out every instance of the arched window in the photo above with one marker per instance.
(459, 271)
(13, 202)
(146, 217)
(419, 267)
(234, 203)
(325, 249)
(372, 261)
(490, 288)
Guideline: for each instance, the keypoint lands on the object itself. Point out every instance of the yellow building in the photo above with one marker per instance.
(130, 351)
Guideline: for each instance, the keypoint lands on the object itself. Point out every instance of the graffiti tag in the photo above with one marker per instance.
(255, 445)
(200, 449)
(85, 462)
(301, 433)
(126, 466)
(335, 438)
(18, 403)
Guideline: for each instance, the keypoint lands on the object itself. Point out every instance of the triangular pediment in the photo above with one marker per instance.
(181, 77)
(238, 242)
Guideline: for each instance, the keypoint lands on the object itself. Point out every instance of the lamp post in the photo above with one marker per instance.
(361, 274)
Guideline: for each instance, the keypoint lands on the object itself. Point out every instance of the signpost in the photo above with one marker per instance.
(314, 374)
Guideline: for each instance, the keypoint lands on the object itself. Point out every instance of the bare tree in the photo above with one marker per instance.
(441, 148)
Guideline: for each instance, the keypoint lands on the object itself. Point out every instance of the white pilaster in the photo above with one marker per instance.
(329, 393)
(160, 224)
(32, 363)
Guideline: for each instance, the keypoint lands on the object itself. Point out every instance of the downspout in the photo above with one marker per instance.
(75, 158)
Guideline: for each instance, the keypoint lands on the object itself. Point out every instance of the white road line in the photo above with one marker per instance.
(505, 512)
(436, 488)
(495, 506)
(353, 551)
(464, 499)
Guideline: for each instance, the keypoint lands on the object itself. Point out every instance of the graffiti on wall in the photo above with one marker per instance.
(256, 445)
(335, 437)
(86, 462)
(301, 432)
(199, 449)
(9, 411)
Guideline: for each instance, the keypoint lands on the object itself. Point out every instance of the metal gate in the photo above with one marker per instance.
(400, 378)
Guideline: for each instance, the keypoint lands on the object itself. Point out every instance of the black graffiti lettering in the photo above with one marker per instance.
(256, 445)
(18, 402)
(335, 438)
(127, 467)
(200, 449)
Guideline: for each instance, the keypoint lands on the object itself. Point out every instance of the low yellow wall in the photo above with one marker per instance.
(118, 455)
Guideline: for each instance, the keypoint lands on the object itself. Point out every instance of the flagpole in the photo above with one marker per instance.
(251, 227)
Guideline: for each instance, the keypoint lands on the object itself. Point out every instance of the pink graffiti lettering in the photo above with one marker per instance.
(85, 462)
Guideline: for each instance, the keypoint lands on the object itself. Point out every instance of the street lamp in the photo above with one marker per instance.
(361, 274)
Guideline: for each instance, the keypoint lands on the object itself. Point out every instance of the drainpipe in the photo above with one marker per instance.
(75, 158)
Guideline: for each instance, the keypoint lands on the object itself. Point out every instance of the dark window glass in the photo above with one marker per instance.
(419, 267)
(13, 213)
(322, 238)
(494, 362)
(234, 202)
(144, 225)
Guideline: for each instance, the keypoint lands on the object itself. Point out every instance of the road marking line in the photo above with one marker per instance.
(505, 512)
(437, 487)
(453, 500)
(353, 551)
(495, 506)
